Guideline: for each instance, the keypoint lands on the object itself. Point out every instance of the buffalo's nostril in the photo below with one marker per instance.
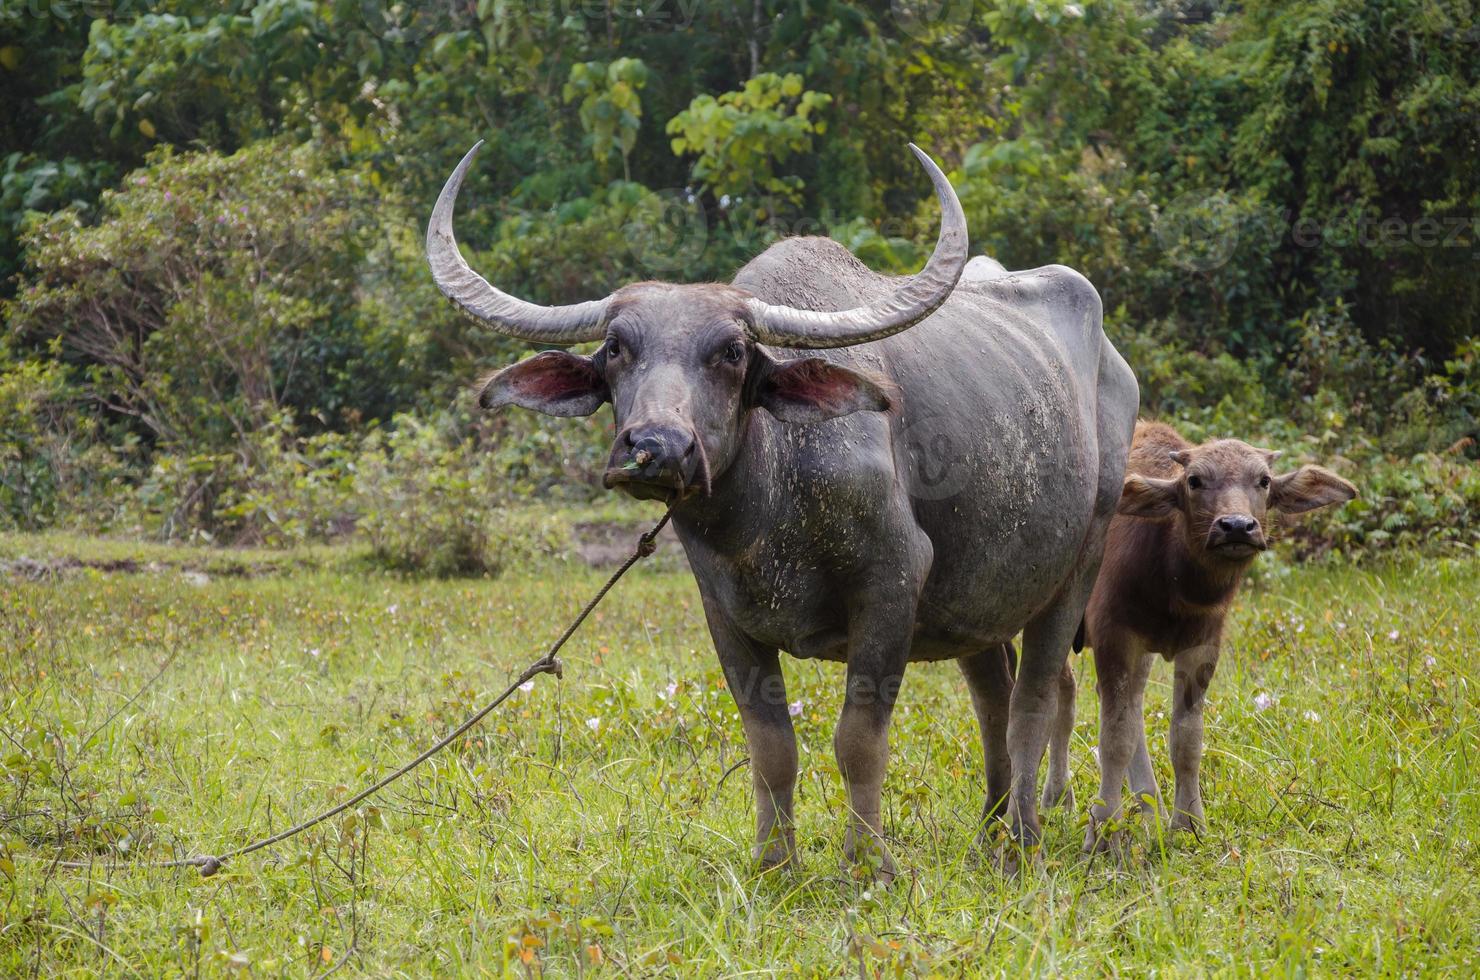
(1237, 524)
(647, 449)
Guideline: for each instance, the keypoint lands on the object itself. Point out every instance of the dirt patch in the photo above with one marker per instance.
(45, 569)
(606, 544)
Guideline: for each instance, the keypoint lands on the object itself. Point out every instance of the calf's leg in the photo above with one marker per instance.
(1056, 788)
(1121, 668)
(1142, 775)
(989, 679)
(1195, 667)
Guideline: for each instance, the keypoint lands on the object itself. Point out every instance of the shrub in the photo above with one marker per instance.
(217, 291)
(1429, 502)
(32, 394)
(426, 499)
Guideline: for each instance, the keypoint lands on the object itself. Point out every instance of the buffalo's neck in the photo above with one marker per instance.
(742, 499)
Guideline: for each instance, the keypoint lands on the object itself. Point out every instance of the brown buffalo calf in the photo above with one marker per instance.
(1191, 519)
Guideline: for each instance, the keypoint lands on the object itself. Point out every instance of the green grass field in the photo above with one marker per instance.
(601, 824)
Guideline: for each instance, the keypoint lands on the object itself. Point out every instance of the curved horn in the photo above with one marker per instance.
(509, 315)
(917, 298)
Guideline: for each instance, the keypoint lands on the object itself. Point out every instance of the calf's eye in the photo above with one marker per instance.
(613, 349)
(1194, 482)
(1264, 482)
(733, 352)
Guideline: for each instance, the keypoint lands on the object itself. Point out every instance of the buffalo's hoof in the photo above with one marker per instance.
(1013, 859)
(775, 854)
(1106, 837)
(1185, 823)
(865, 857)
(988, 839)
(1058, 796)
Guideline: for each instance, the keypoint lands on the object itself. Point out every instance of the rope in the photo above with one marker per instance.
(209, 864)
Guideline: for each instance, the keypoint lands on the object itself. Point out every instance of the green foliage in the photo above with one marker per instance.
(740, 137)
(1275, 199)
(1428, 502)
(611, 109)
(219, 290)
(33, 411)
(1348, 125)
(424, 496)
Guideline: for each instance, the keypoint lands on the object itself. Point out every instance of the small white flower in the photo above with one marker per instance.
(1340, 625)
(313, 652)
(527, 686)
(1311, 716)
(392, 608)
(1393, 635)
(794, 709)
(669, 691)
(1264, 702)
(593, 723)
(1430, 662)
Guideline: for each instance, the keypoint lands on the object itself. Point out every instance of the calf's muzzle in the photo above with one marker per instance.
(1236, 536)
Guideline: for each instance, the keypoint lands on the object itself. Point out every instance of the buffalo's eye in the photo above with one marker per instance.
(1264, 482)
(733, 351)
(613, 347)
(1194, 482)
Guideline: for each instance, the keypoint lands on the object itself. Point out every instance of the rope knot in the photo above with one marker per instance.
(209, 864)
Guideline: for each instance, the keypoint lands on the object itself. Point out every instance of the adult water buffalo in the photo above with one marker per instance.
(937, 480)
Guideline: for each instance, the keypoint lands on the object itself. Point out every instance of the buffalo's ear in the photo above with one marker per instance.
(1308, 488)
(554, 382)
(811, 389)
(1147, 496)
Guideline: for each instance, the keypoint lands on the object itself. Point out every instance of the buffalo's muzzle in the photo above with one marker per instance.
(652, 463)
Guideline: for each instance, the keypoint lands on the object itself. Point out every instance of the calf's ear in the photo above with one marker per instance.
(554, 382)
(1308, 488)
(1147, 496)
(811, 389)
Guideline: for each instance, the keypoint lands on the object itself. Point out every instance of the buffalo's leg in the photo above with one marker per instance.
(1056, 788)
(1194, 674)
(753, 673)
(878, 646)
(1034, 707)
(1121, 668)
(989, 679)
